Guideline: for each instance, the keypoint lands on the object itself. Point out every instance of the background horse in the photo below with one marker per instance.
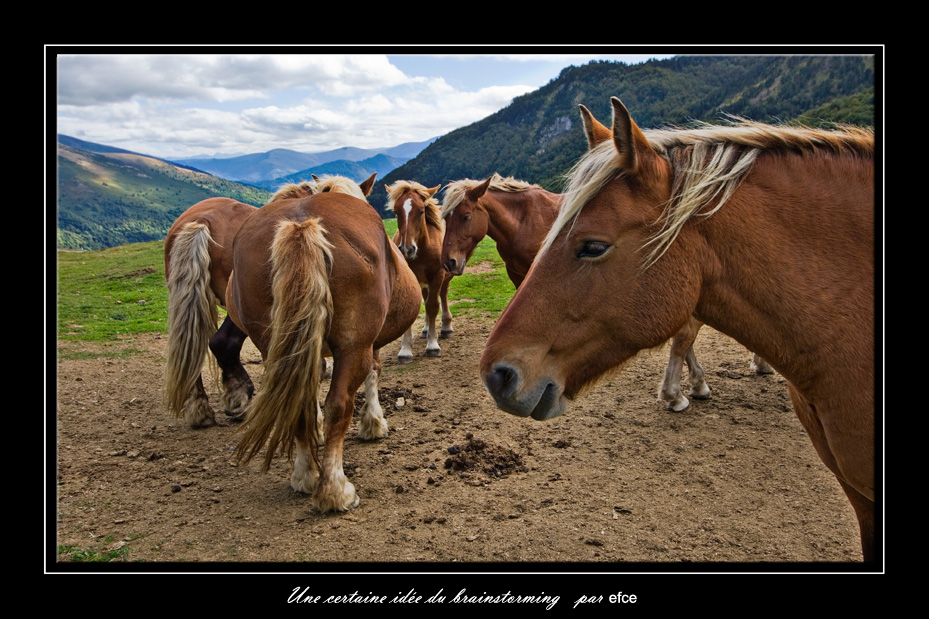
(514, 213)
(311, 277)
(764, 233)
(419, 237)
(198, 264)
(518, 216)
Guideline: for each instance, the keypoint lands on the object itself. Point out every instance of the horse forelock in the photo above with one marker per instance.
(433, 210)
(708, 163)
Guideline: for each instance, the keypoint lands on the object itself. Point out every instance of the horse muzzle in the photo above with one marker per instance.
(409, 251)
(453, 266)
(541, 401)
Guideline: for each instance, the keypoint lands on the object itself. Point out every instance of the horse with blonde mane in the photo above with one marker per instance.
(518, 215)
(198, 265)
(682, 344)
(764, 233)
(515, 214)
(314, 277)
(419, 235)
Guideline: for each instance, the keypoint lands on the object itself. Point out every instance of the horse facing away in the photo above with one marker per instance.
(314, 277)
(419, 237)
(764, 233)
(198, 265)
(518, 216)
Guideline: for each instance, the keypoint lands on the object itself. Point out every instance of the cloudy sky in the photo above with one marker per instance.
(174, 106)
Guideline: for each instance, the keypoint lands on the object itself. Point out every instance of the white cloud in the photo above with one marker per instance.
(182, 105)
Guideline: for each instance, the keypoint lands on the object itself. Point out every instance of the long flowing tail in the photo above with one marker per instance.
(286, 405)
(192, 314)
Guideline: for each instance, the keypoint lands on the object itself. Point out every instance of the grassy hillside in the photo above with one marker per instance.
(108, 199)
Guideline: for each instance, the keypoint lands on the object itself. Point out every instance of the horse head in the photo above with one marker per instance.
(415, 209)
(587, 305)
(466, 222)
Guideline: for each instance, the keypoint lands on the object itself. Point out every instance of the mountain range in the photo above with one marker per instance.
(269, 169)
(109, 196)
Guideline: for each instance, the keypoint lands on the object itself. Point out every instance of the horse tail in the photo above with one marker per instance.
(192, 314)
(285, 407)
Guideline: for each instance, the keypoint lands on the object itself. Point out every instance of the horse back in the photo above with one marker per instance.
(362, 276)
(223, 217)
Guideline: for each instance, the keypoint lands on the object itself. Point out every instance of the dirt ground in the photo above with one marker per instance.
(617, 481)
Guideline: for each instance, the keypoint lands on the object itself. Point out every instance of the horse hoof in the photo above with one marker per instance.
(446, 334)
(701, 395)
(679, 405)
(234, 416)
(433, 353)
(404, 359)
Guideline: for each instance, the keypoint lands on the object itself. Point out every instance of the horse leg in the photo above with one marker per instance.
(432, 310)
(760, 366)
(425, 332)
(864, 511)
(863, 505)
(196, 410)
(333, 491)
(372, 424)
(446, 314)
(406, 347)
(698, 387)
(681, 346)
(305, 474)
(226, 346)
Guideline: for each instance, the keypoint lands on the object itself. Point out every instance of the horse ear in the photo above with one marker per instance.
(596, 131)
(433, 191)
(368, 185)
(627, 136)
(315, 178)
(476, 192)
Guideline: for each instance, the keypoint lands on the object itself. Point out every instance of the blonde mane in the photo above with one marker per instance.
(708, 164)
(432, 205)
(455, 191)
(334, 184)
(293, 190)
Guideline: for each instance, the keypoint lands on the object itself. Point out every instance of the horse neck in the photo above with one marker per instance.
(506, 214)
(791, 274)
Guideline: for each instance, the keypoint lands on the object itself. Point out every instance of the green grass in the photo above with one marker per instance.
(83, 555)
(107, 294)
(111, 295)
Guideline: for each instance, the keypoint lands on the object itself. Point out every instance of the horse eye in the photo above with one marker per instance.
(592, 249)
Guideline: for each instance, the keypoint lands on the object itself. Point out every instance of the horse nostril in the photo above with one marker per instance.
(450, 265)
(503, 381)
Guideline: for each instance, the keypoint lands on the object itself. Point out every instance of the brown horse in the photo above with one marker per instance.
(514, 213)
(764, 233)
(419, 237)
(198, 264)
(518, 216)
(682, 344)
(316, 277)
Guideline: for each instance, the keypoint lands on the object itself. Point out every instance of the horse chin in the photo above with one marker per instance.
(551, 405)
(544, 402)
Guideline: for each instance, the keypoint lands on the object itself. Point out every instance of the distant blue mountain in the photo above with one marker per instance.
(260, 169)
(358, 171)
